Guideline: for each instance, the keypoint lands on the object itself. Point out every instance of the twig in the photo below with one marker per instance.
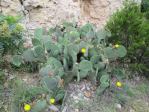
(63, 102)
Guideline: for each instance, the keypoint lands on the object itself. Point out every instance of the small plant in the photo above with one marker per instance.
(11, 41)
(11, 34)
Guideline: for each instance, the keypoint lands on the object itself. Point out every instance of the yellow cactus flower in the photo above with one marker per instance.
(27, 107)
(118, 84)
(52, 101)
(83, 50)
(116, 46)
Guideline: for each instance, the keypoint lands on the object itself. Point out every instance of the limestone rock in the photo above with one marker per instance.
(29, 4)
(11, 7)
(46, 13)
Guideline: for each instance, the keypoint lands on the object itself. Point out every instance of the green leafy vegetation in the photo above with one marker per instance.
(11, 41)
(144, 5)
(129, 27)
(11, 34)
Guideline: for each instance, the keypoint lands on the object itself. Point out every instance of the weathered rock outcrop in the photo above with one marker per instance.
(45, 13)
(98, 11)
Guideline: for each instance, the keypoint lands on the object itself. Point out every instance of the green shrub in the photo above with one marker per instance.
(144, 5)
(145, 8)
(11, 41)
(129, 27)
(10, 34)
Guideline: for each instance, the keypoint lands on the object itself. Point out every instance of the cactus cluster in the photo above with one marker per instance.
(68, 51)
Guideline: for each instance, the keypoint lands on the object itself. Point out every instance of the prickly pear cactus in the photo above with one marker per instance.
(72, 51)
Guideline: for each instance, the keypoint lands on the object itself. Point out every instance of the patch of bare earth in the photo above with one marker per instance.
(81, 97)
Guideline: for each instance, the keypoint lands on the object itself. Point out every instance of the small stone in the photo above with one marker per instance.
(137, 78)
(25, 79)
(93, 88)
(76, 101)
(118, 106)
(71, 95)
(75, 98)
(87, 88)
(53, 108)
(131, 110)
(83, 88)
(11, 77)
(76, 110)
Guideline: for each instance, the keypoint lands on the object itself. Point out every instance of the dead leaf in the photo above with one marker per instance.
(87, 94)
(61, 83)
